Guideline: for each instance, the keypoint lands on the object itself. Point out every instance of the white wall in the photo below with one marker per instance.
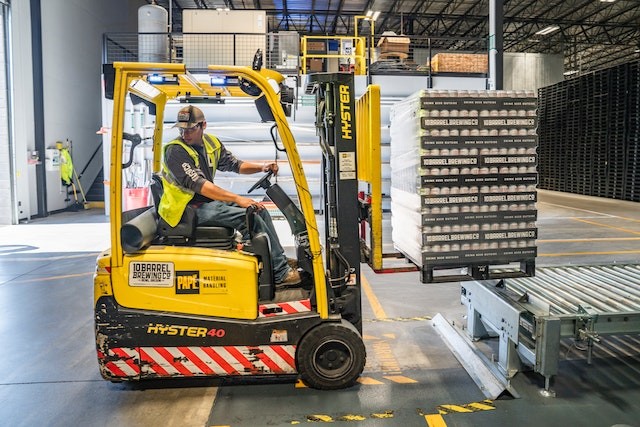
(72, 57)
(5, 156)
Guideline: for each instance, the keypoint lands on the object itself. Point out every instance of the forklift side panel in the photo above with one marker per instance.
(189, 280)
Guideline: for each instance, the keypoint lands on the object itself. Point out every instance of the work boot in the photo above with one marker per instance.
(291, 278)
(293, 263)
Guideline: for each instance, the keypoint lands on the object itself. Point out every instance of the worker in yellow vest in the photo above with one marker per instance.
(188, 172)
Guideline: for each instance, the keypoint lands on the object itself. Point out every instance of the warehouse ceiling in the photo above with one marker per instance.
(591, 34)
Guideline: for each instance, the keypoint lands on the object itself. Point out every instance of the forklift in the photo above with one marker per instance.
(198, 301)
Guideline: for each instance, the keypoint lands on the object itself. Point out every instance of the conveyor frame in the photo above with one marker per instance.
(531, 315)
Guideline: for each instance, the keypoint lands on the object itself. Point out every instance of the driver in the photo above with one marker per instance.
(189, 167)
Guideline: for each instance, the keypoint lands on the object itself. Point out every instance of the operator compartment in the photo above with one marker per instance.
(189, 280)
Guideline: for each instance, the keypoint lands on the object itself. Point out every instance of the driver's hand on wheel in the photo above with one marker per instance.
(270, 167)
(245, 202)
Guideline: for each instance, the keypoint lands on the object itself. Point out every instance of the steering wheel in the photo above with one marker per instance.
(263, 182)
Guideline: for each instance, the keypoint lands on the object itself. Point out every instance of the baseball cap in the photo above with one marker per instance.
(189, 116)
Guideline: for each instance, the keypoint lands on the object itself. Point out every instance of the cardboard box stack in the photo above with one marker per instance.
(460, 63)
(463, 179)
(394, 45)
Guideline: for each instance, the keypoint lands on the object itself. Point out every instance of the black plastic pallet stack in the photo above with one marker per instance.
(588, 134)
(632, 185)
(463, 183)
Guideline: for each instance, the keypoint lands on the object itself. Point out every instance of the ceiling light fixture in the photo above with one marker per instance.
(548, 30)
(570, 72)
(373, 15)
(607, 1)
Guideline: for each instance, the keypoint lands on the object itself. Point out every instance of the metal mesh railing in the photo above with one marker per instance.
(198, 50)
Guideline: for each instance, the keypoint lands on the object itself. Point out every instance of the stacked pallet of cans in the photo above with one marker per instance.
(463, 183)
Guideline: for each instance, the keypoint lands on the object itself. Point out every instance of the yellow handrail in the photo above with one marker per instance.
(357, 56)
(370, 163)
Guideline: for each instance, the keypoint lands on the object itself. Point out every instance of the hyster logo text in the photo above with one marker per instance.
(187, 282)
(345, 111)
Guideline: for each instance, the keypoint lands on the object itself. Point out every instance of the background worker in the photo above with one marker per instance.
(188, 171)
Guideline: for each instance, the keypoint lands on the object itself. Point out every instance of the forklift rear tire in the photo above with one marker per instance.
(331, 356)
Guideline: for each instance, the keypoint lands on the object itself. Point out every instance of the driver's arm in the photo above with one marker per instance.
(249, 167)
(212, 191)
(230, 163)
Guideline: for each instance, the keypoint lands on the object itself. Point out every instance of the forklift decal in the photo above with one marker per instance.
(345, 112)
(188, 282)
(189, 331)
(213, 282)
(155, 274)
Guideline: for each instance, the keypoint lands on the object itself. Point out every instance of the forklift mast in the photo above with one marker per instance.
(335, 124)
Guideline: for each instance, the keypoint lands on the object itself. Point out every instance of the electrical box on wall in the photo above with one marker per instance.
(52, 159)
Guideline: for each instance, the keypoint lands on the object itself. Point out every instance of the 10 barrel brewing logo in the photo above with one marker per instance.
(188, 282)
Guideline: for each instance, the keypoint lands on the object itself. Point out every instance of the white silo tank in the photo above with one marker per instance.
(153, 47)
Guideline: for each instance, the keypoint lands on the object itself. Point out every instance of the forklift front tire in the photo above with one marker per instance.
(332, 356)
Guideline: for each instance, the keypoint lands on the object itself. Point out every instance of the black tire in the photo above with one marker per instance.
(331, 356)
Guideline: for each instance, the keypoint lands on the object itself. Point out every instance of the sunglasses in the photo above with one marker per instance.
(191, 129)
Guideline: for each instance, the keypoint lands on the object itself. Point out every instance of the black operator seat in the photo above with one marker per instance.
(187, 231)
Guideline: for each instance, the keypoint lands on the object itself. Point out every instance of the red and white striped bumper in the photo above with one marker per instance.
(154, 362)
(282, 308)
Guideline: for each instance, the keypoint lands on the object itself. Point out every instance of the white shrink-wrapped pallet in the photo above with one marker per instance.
(463, 180)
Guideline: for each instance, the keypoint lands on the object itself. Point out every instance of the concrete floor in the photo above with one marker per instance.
(49, 374)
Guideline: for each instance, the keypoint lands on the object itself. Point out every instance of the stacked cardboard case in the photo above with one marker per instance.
(463, 182)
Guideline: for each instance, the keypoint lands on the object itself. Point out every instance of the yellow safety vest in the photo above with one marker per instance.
(175, 198)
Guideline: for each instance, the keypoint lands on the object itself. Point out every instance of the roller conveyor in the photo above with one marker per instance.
(531, 315)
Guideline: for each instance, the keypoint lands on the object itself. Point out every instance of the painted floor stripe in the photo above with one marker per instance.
(369, 381)
(482, 406)
(435, 420)
(594, 239)
(400, 319)
(447, 409)
(589, 253)
(400, 379)
(624, 230)
(485, 405)
(378, 311)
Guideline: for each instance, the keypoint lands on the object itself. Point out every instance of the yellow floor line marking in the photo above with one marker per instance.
(382, 415)
(352, 417)
(400, 379)
(369, 337)
(578, 209)
(44, 279)
(624, 230)
(446, 409)
(319, 417)
(300, 384)
(481, 406)
(590, 253)
(373, 300)
(435, 420)
(369, 381)
(595, 239)
(485, 405)
(7, 257)
(593, 212)
(391, 336)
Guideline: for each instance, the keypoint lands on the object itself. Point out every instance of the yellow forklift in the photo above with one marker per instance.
(192, 301)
